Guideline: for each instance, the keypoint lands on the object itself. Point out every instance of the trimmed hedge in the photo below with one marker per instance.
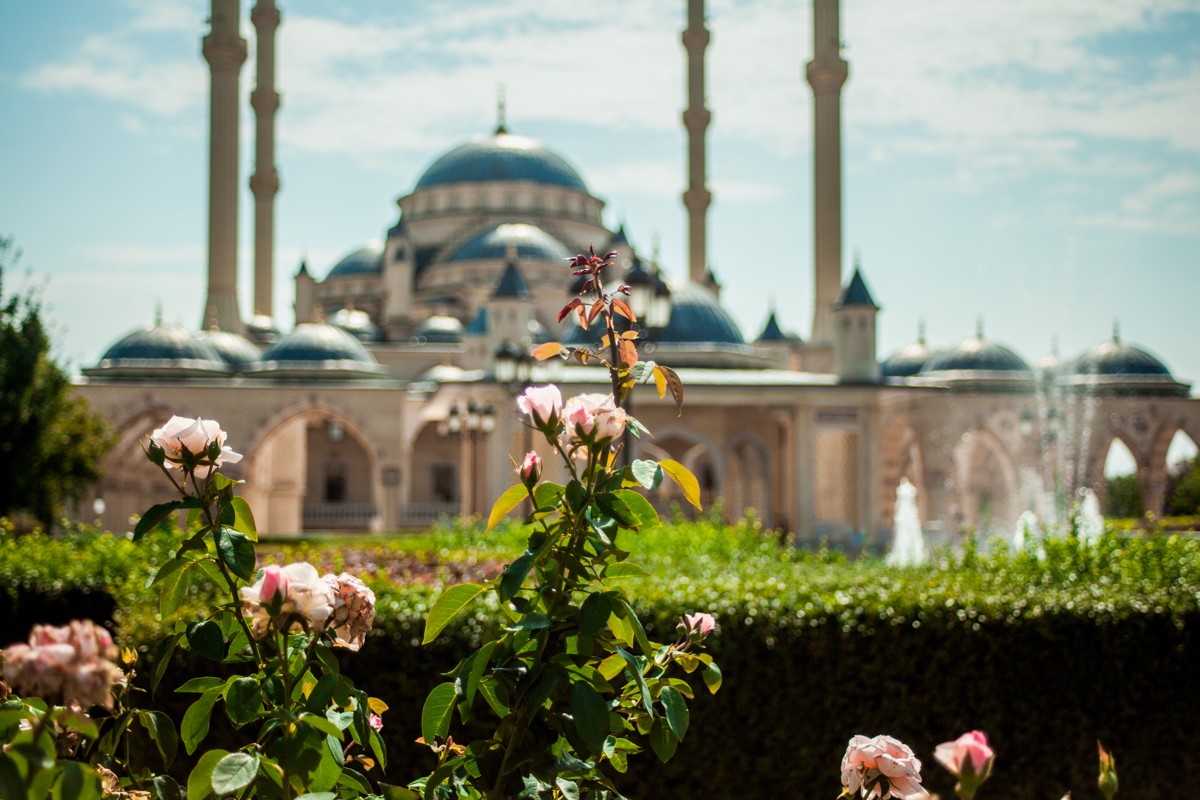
(1045, 656)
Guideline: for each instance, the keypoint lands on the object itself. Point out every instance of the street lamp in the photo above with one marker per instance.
(469, 425)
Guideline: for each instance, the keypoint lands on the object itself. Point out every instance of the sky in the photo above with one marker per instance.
(1032, 167)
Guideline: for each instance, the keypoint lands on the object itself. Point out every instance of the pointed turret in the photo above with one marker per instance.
(854, 343)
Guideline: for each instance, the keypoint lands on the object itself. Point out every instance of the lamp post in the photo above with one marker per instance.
(650, 302)
(470, 425)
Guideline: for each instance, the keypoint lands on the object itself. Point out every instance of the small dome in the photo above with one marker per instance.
(357, 323)
(161, 348)
(366, 260)
(439, 329)
(1117, 358)
(318, 350)
(532, 243)
(907, 361)
(502, 157)
(976, 355)
(772, 333)
(234, 349)
(262, 329)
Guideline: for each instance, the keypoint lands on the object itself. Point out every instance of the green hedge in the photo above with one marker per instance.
(1045, 656)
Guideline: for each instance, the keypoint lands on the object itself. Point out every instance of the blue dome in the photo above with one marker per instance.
(439, 329)
(907, 361)
(159, 348)
(319, 350)
(366, 260)
(357, 323)
(502, 157)
(697, 318)
(532, 243)
(234, 349)
(1117, 358)
(976, 355)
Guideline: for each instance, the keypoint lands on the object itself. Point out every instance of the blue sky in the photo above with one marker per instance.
(1033, 164)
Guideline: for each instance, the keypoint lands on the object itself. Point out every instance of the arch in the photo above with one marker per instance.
(293, 464)
(436, 479)
(984, 484)
(748, 477)
(1155, 476)
(131, 484)
(701, 457)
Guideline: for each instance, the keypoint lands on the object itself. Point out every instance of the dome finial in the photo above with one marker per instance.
(1116, 331)
(857, 259)
(158, 313)
(979, 327)
(921, 330)
(501, 122)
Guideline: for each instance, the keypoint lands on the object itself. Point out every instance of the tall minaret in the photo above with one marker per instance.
(826, 74)
(264, 183)
(695, 120)
(225, 51)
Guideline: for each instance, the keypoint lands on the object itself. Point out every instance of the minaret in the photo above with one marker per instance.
(695, 120)
(826, 74)
(264, 183)
(225, 51)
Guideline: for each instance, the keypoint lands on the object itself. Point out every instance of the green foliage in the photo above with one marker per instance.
(1123, 497)
(51, 442)
(1183, 490)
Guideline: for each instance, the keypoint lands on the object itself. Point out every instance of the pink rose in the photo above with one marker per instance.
(376, 721)
(307, 597)
(70, 665)
(969, 758)
(542, 404)
(698, 625)
(353, 610)
(595, 416)
(182, 438)
(530, 469)
(274, 582)
(882, 767)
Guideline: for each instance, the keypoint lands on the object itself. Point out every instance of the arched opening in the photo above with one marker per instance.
(697, 456)
(1182, 490)
(435, 481)
(747, 484)
(987, 499)
(131, 484)
(1122, 486)
(312, 469)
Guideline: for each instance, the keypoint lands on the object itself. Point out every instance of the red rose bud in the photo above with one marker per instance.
(1108, 773)
(530, 469)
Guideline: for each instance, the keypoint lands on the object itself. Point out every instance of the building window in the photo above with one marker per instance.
(444, 483)
(335, 482)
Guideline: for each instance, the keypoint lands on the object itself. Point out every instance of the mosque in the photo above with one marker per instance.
(389, 403)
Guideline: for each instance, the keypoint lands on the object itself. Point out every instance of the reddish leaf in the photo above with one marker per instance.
(621, 308)
(575, 303)
(547, 350)
(629, 354)
(674, 384)
(596, 308)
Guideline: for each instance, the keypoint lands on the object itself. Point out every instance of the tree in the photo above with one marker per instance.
(51, 442)
(1123, 497)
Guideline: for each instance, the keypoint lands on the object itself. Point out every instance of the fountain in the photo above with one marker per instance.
(1089, 522)
(908, 544)
(1027, 530)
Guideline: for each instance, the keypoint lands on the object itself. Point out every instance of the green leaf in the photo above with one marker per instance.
(575, 495)
(201, 684)
(686, 480)
(474, 666)
(233, 772)
(505, 503)
(237, 551)
(243, 518)
(533, 621)
(194, 727)
(712, 677)
(514, 576)
(174, 588)
(636, 668)
(435, 715)
(162, 659)
(165, 788)
(677, 711)
(448, 606)
(639, 633)
(158, 514)
(76, 782)
(594, 613)
(625, 569)
(546, 494)
(243, 701)
(569, 789)
(648, 473)
(318, 796)
(640, 507)
(199, 785)
(663, 740)
(591, 716)
(162, 732)
(496, 696)
(320, 723)
(615, 507)
(11, 783)
(205, 638)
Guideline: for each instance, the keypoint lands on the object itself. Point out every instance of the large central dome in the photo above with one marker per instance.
(502, 157)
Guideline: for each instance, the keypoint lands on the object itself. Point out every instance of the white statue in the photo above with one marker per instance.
(908, 544)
